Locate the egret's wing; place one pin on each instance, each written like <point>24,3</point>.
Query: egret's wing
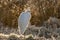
<point>23,21</point>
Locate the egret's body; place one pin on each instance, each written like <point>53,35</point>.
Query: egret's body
<point>23,21</point>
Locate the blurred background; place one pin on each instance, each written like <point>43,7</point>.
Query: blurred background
<point>45,19</point>
<point>41,10</point>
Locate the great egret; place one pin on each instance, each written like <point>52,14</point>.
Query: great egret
<point>24,20</point>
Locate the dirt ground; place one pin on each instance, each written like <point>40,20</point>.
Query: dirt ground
<point>50,30</point>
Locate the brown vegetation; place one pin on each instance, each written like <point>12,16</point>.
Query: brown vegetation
<point>41,10</point>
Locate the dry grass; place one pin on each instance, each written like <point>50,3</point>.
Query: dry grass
<point>40,10</point>
<point>26,37</point>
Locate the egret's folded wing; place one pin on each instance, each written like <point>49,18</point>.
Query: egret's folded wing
<point>23,21</point>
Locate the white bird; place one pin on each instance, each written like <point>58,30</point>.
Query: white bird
<point>24,20</point>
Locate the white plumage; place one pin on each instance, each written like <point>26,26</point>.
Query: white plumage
<point>23,21</point>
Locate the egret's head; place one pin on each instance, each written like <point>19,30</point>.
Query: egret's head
<point>27,9</point>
